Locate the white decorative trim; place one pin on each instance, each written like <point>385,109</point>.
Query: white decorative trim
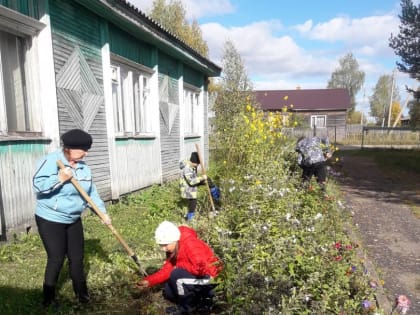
<point>18,23</point>
<point>132,64</point>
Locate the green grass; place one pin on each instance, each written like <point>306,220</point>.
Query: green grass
<point>390,160</point>
<point>111,273</point>
<point>402,165</point>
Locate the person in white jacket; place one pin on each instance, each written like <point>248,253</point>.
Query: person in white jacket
<point>58,211</point>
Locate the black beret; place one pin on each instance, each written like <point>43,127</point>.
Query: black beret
<point>77,139</point>
<point>194,158</point>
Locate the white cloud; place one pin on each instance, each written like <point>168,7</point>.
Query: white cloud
<point>373,30</point>
<point>143,5</point>
<point>305,27</point>
<point>266,54</point>
<point>275,59</point>
<point>199,8</point>
<point>195,9</point>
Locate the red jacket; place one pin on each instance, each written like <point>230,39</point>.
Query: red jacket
<point>193,255</point>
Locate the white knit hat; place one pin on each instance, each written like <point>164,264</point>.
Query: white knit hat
<point>167,233</point>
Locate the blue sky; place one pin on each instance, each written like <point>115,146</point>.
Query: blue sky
<point>285,44</point>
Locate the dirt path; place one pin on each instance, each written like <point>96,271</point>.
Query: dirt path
<point>387,228</point>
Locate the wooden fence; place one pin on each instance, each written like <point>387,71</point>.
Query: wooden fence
<point>362,136</point>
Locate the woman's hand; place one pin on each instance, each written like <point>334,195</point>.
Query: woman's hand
<point>65,174</point>
<point>106,219</point>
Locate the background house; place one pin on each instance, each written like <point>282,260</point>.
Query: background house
<point>105,67</point>
<point>323,110</point>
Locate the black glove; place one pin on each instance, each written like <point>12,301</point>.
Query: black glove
<point>210,182</point>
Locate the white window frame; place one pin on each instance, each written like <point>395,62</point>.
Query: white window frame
<point>131,98</point>
<point>315,119</point>
<point>192,105</point>
<point>27,115</point>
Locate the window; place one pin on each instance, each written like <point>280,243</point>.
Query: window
<point>14,98</point>
<point>141,97</point>
<point>191,105</point>
<point>18,73</point>
<point>318,121</point>
<point>131,99</point>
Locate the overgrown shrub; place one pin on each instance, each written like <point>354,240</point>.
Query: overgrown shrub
<point>284,248</point>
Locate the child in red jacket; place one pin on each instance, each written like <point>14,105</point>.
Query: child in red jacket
<point>187,271</point>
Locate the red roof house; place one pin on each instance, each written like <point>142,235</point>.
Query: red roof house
<point>320,107</point>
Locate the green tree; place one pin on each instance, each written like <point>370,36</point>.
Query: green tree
<point>234,89</point>
<point>357,117</point>
<point>407,43</point>
<point>381,99</point>
<point>407,46</point>
<point>171,17</point>
<point>414,112</point>
<point>348,76</point>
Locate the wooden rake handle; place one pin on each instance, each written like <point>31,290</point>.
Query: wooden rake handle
<point>203,168</point>
<point>101,215</point>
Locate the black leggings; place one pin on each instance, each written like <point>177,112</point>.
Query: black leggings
<point>192,204</point>
<point>319,170</point>
<point>61,240</point>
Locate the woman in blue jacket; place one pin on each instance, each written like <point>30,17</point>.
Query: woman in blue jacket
<point>59,208</point>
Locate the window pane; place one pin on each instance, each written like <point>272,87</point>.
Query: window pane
<point>146,122</point>
<point>137,102</point>
<point>188,111</point>
<point>319,121</point>
<point>12,50</point>
<point>132,112</point>
<point>116,100</point>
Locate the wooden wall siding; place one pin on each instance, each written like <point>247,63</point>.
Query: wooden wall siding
<point>169,116</point>
<point>189,146</point>
<point>26,7</point>
<point>78,90</point>
<point>337,118</point>
<point>17,166</point>
<point>170,151</point>
<point>129,47</point>
<point>206,126</point>
<point>138,164</point>
<point>192,76</point>
<point>78,67</point>
<point>73,20</point>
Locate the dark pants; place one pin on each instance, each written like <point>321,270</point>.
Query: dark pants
<point>61,240</point>
<point>186,289</point>
<point>192,205</point>
<point>319,170</point>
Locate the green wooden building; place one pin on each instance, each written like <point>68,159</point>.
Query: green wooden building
<point>105,67</point>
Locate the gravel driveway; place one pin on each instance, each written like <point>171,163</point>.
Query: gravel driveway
<point>387,228</point>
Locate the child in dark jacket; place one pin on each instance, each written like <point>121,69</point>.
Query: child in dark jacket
<point>187,272</point>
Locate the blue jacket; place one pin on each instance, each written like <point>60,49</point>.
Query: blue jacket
<point>62,202</point>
